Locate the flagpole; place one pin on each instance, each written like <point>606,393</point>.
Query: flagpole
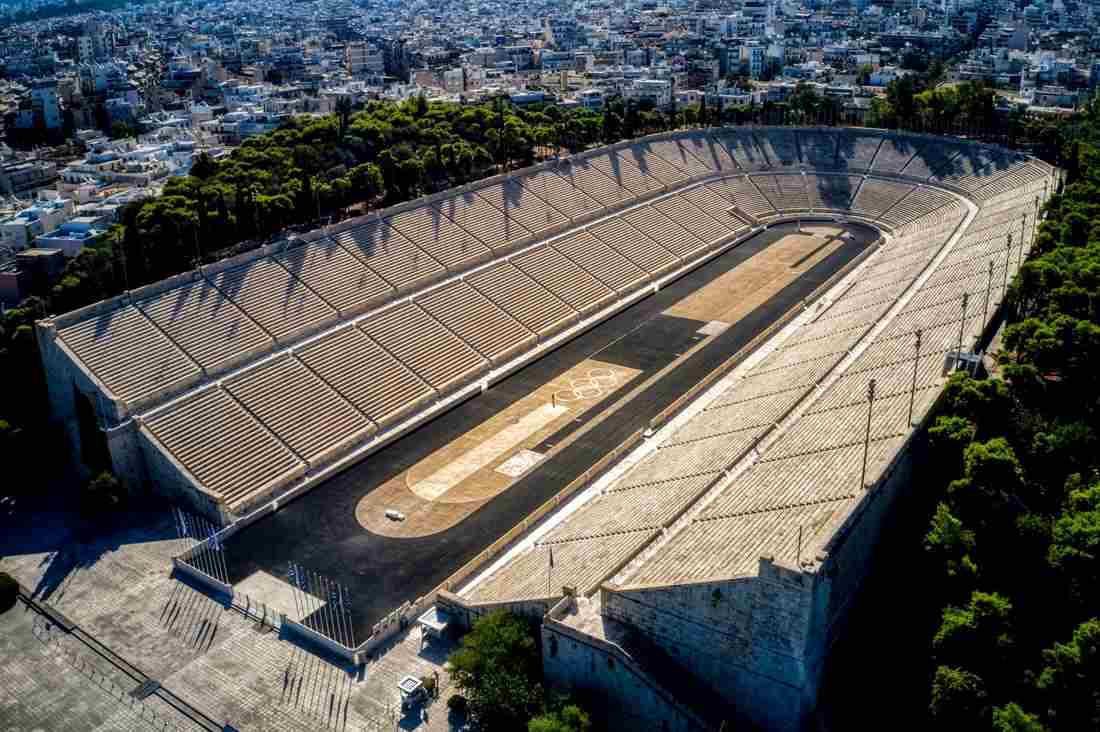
<point>202,561</point>
<point>199,555</point>
<point>338,609</point>
<point>292,575</point>
<point>351,621</point>
<point>330,609</point>
<point>326,609</point>
<point>212,542</point>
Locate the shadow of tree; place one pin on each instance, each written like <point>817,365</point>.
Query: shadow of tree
<point>72,543</point>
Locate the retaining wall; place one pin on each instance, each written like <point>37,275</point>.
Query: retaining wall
<point>744,637</point>
<point>576,661</point>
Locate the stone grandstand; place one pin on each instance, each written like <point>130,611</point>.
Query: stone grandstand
<point>736,536</point>
<point>319,349</point>
<point>728,547</point>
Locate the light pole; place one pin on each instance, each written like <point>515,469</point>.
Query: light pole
<point>1008,254</point>
<point>916,361</point>
<point>988,292</point>
<point>867,435</point>
<point>198,251</point>
<point>962,327</point>
<point>1023,238</point>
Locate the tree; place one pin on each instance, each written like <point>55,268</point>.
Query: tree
<point>989,493</point>
<point>901,96</point>
<point>630,120</point>
<point>1070,680</point>
<point>978,634</point>
<point>1011,718</point>
<point>120,130</point>
<point>914,60</point>
<point>343,113</point>
<point>366,181</point>
<point>570,719</point>
<point>958,699</point>
<point>101,496</point>
<point>9,592</point>
<point>1017,462</point>
<point>168,227</point>
<point>204,166</point>
<point>88,276</point>
<point>770,69</point>
<point>952,544</point>
<point>804,102</point>
<point>497,668</point>
<point>1075,549</point>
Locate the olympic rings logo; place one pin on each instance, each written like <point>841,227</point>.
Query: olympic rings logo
<point>593,386</point>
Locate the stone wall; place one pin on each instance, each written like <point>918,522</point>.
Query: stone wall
<point>127,460</point>
<point>66,382</point>
<point>760,643</point>
<point>60,388</point>
<point>631,699</point>
<point>744,637</point>
<point>167,477</point>
<point>464,614</point>
<point>852,552</point>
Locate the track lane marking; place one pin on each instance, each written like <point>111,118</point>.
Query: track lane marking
<point>462,467</point>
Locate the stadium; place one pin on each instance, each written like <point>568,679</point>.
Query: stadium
<point>660,395</point>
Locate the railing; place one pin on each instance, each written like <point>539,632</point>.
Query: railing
<point>180,705</point>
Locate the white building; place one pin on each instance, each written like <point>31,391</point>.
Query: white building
<point>591,98</point>
<point>454,81</point>
<point>885,75</point>
<point>754,56</point>
<point>73,236</point>
<point>362,59</point>
<point>20,230</point>
<point>22,175</point>
<point>201,112</point>
<point>657,91</point>
<point>689,97</point>
<point>85,48</point>
<point>45,103</point>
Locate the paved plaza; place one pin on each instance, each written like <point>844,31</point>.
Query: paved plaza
<point>117,590</point>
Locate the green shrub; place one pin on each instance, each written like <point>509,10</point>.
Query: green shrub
<point>9,591</point>
<point>570,719</point>
<point>498,669</point>
<point>102,496</point>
